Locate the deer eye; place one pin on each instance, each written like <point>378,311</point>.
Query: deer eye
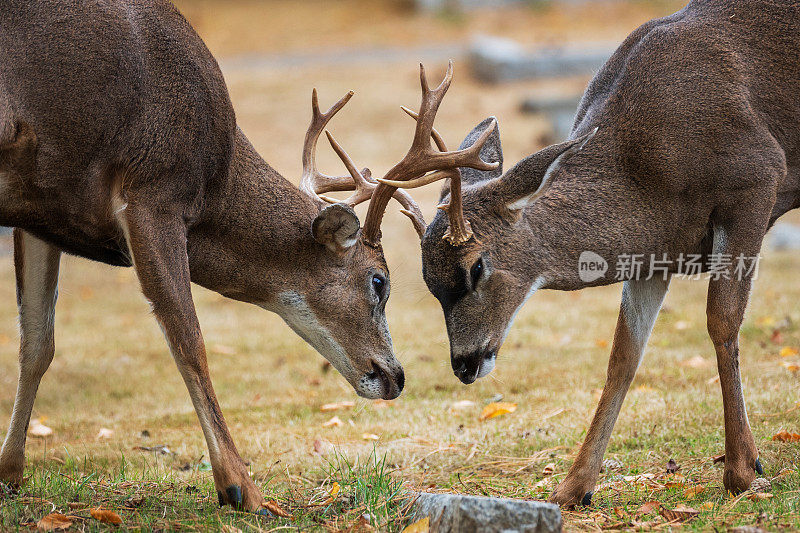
<point>379,285</point>
<point>476,272</point>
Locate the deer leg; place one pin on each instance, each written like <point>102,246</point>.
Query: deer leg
<point>158,248</point>
<point>36,263</point>
<point>727,300</point>
<point>641,301</point>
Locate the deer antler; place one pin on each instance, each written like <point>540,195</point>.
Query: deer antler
<point>314,183</point>
<point>412,170</point>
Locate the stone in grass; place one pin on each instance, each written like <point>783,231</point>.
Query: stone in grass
<point>456,512</point>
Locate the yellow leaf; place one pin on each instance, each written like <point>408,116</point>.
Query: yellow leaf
<point>789,351</point>
<point>785,436</point>
<point>791,367</point>
<point>691,492</point>
<point>370,436</point>
<point>105,516</point>
<point>601,343</point>
<point>335,421</point>
<point>674,480</point>
<point>54,522</point>
<point>706,506</point>
<point>332,493</point>
<point>497,409</point>
<point>420,526</point>
<point>759,496</point>
<point>337,405</point>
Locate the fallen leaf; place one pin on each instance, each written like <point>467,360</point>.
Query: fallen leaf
<point>337,405</point>
<point>380,403</point>
<point>789,351</point>
<point>37,429</point>
<point>785,436</point>
<point>601,343</point>
<point>370,436</point>
<point>333,492</point>
<point>706,506</point>
<point>105,433</point>
<point>497,409</point>
<point>323,447</point>
<point>777,337</point>
<point>718,459</point>
<point>681,513</point>
<point>760,496</point>
<point>549,469</point>
<point>674,480</point>
<point>713,380</point>
<point>691,492</point>
<point>105,516</point>
<point>54,522</point>
<point>163,449</point>
<point>273,507</point>
<point>648,508</point>
<point>420,526</point>
<point>791,367</point>
<point>335,421</point>
<point>672,466</point>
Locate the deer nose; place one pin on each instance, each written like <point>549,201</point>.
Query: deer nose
<point>392,380</point>
<point>466,367</point>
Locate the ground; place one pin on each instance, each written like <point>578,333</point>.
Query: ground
<point>112,370</point>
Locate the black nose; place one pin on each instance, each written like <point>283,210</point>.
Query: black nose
<point>392,384</point>
<point>466,367</point>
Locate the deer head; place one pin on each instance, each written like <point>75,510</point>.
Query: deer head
<point>477,253</point>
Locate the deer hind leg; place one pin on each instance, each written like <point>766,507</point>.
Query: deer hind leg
<point>727,300</point>
<point>36,264</point>
<point>641,302</point>
<point>157,244</point>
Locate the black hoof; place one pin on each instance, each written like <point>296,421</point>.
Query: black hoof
<point>759,468</point>
<point>219,498</point>
<point>587,499</point>
<point>234,493</point>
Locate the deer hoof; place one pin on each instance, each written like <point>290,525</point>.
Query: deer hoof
<point>759,468</point>
<point>586,501</point>
<point>234,494</point>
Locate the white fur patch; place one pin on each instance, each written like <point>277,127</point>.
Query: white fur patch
<point>537,284</point>
<point>641,302</point>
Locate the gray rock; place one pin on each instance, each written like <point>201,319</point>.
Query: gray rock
<point>496,59</point>
<point>784,236</point>
<point>458,513</point>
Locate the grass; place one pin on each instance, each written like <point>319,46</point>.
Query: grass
<point>112,369</point>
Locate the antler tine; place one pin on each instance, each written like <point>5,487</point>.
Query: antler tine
<point>313,181</point>
<point>437,138</point>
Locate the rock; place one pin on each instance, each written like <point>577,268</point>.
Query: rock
<point>456,512</point>
<point>784,236</point>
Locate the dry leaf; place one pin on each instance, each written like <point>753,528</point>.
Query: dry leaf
<point>706,506</point>
<point>718,459</point>
<point>696,362</point>
<point>54,522</point>
<point>332,493</point>
<point>370,436</point>
<point>789,351</point>
<point>785,436</point>
<point>759,496</point>
<point>37,429</point>
<point>674,480</point>
<point>648,508</point>
<point>273,507</point>
<point>777,336</point>
<point>337,405</point>
<point>335,421</point>
<point>791,367</point>
<point>713,380</point>
<point>105,433</point>
<point>420,526</point>
<point>681,513</point>
<point>691,492</point>
<point>105,516</point>
<point>549,469</point>
<point>322,446</point>
<point>601,343</point>
<point>497,409</point>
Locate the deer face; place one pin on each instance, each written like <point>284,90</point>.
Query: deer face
<point>482,283</point>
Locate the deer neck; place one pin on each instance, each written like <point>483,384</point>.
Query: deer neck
<point>254,221</point>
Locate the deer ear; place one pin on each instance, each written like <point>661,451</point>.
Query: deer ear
<point>336,226</point>
<point>491,152</point>
<point>529,179</point>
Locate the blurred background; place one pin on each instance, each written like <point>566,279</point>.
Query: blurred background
<point>525,62</point>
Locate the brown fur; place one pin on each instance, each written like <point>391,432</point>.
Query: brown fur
<point>118,142</point>
<point>698,150</point>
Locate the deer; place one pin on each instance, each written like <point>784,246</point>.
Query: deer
<point>123,148</point>
<point>685,142</point>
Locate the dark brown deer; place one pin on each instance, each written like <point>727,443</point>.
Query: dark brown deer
<point>686,142</point>
<point>118,143</point>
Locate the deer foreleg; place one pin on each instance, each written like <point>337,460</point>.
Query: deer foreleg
<point>158,247</point>
<point>36,263</point>
<point>641,301</point>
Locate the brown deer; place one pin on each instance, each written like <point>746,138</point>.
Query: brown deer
<point>118,143</point>
<point>686,142</point>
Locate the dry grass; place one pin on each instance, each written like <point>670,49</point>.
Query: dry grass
<point>112,369</point>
